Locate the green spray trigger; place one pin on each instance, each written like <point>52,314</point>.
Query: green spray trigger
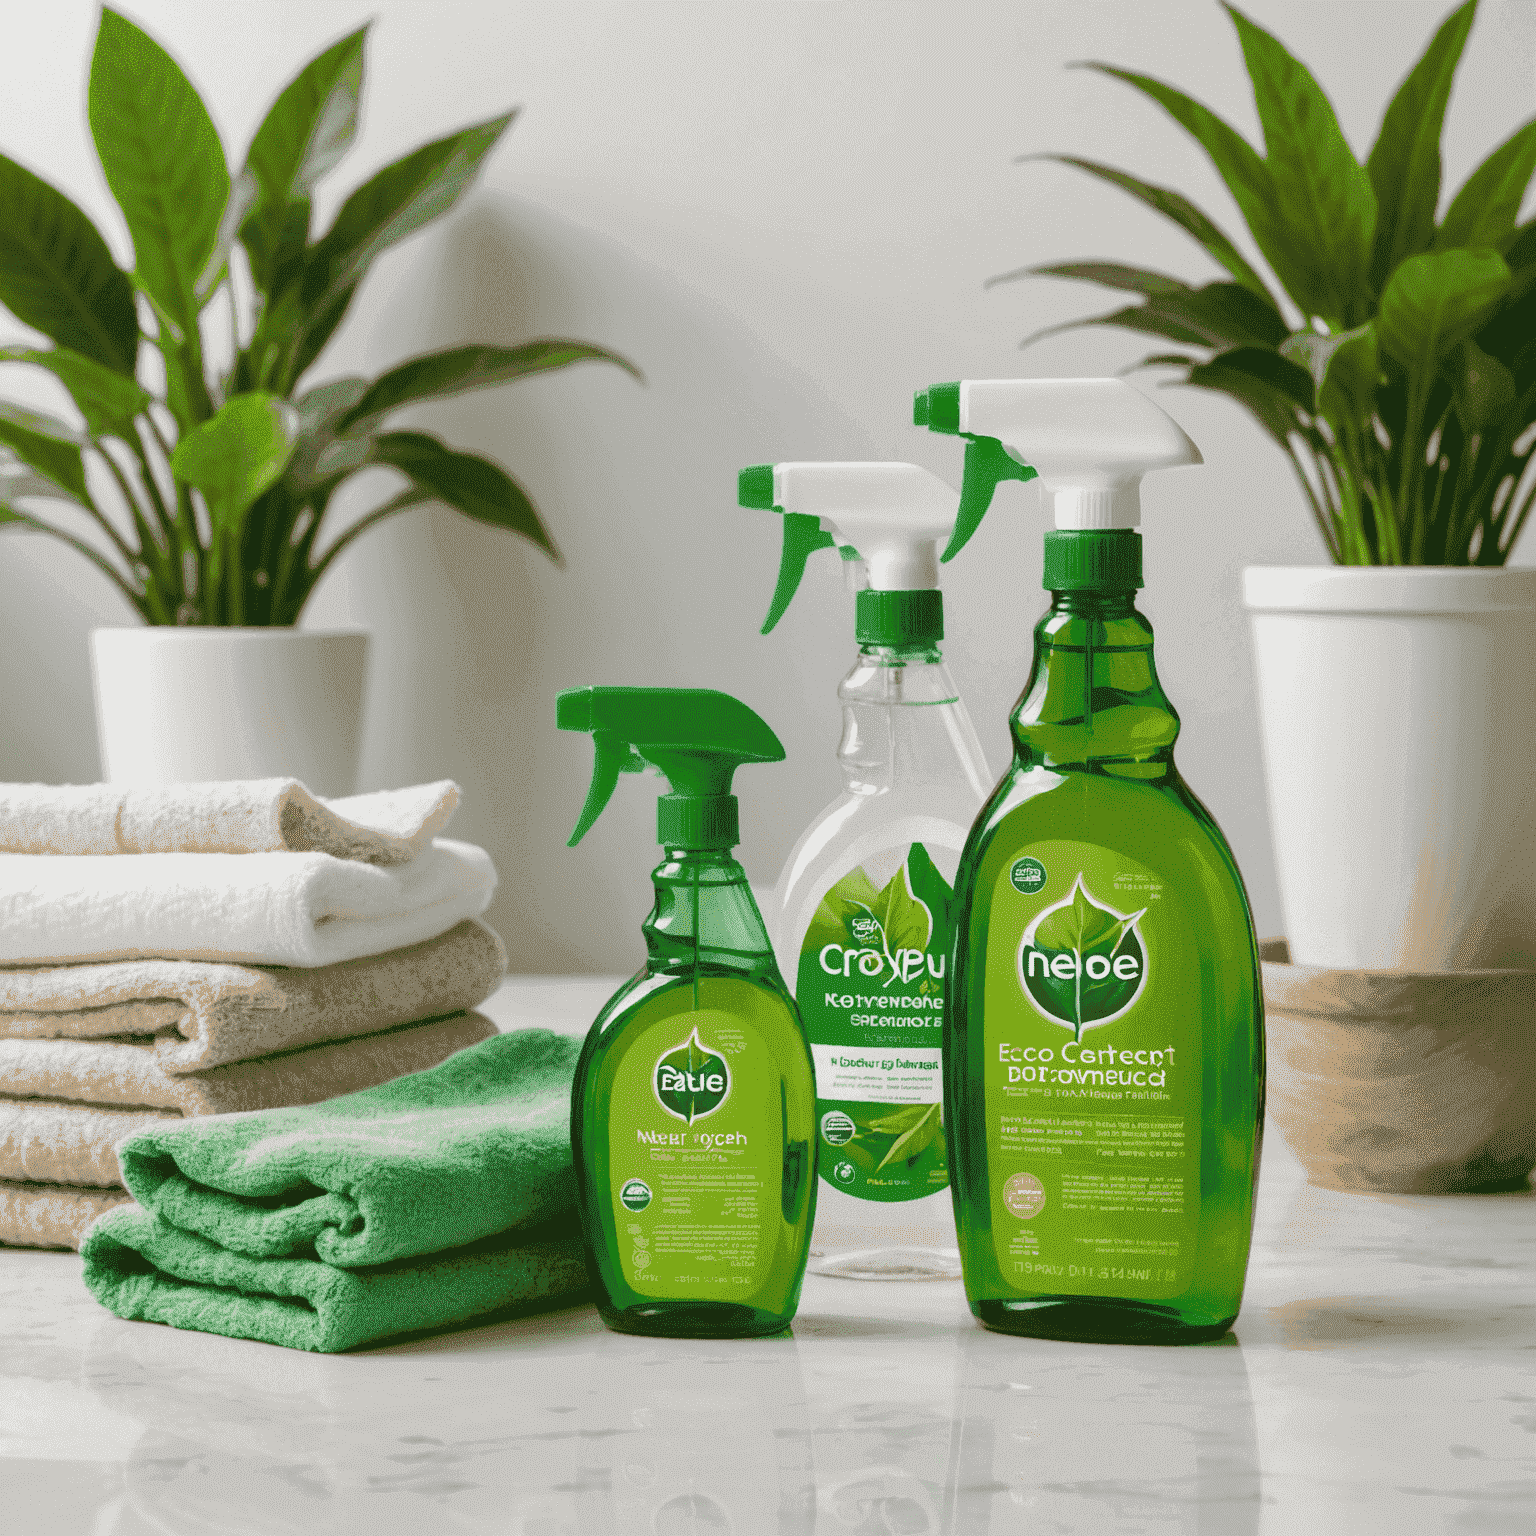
<point>803,536</point>
<point>695,736</point>
<point>987,464</point>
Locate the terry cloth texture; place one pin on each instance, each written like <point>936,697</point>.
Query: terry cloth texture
<point>237,816</point>
<point>195,1014</point>
<point>44,1140</point>
<point>305,909</point>
<point>128,1074</point>
<point>144,1268</point>
<point>476,1146</point>
<point>51,1215</point>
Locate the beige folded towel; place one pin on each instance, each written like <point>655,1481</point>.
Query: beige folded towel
<point>44,1140</point>
<point>196,1014</point>
<point>235,816</point>
<point>51,1215</point>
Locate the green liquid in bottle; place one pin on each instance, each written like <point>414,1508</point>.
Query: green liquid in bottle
<point>1104,1076</point>
<point>694,1121</point>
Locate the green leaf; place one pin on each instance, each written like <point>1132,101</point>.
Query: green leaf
<point>932,889</point>
<point>914,1141</point>
<point>692,1081</point>
<point>48,446</point>
<point>1084,930</point>
<point>394,203</point>
<point>1434,302</point>
<point>1107,274</point>
<point>163,161</point>
<point>1178,208</point>
<point>904,920</point>
<point>1483,213</point>
<point>1345,371</point>
<point>237,453</point>
<point>1239,164</point>
<point>1323,198</point>
<point>898,1122</point>
<point>1404,163</point>
<point>310,127</point>
<point>108,400</point>
<point>1270,387</point>
<point>469,484</point>
<point>57,275</point>
<point>1218,315</point>
<point>452,372</point>
<point>1484,389</point>
<point>852,896</point>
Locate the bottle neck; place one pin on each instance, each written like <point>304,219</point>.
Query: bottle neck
<point>904,725</point>
<point>705,918</point>
<point>1093,700</point>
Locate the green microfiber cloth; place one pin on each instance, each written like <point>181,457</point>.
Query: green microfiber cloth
<point>296,1225</point>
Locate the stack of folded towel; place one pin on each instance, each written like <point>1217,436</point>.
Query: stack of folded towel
<point>203,948</point>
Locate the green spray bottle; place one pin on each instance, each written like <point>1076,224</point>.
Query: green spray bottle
<point>860,916</point>
<point>693,1109</point>
<point>1104,1066</point>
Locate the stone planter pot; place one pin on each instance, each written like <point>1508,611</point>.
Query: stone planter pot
<point>180,705</point>
<point>1409,1082</point>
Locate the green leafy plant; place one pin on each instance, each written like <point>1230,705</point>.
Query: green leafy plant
<point>222,478</point>
<point>1397,365</point>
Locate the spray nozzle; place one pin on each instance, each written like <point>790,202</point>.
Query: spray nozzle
<point>1091,440</point>
<point>891,517</point>
<point>697,738</point>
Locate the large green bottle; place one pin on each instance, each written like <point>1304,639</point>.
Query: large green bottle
<point>1104,1028</point>
<point>694,1106</point>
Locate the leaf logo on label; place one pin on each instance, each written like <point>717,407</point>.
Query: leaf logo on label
<point>892,929</point>
<point>1082,963</point>
<point>692,1081</point>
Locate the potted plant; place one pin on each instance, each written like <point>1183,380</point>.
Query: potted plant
<point>1391,353</point>
<point>202,490</point>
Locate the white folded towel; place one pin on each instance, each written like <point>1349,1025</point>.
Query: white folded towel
<point>302,909</point>
<point>232,816</point>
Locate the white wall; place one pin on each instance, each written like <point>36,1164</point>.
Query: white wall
<point>784,213</point>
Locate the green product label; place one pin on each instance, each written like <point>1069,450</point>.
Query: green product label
<point>871,992</point>
<point>696,1150</point>
<point>1092,1065</point>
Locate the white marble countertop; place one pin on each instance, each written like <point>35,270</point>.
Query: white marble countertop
<point>1381,1379</point>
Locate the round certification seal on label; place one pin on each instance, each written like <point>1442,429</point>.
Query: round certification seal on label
<point>1028,876</point>
<point>837,1129</point>
<point>635,1195</point>
<point>1024,1195</point>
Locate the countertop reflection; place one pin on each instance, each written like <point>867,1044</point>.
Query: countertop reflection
<point>1381,1378</point>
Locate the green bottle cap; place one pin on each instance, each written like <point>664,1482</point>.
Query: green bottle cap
<point>899,618</point>
<point>1092,560</point>
<point>697,737</point>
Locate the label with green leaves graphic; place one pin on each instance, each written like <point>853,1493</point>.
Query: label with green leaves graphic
<point>871,993</point>
<point>1092,1075</point>
<point>696,1153</point>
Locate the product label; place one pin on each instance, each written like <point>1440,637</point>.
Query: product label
<point>871,992</point>
<point>1092,1063</point>
<point>696,1153</point>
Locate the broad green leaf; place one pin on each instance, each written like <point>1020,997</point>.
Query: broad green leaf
<point>48,446</point>
<point>899,1121</point>
<point>1178,208</point>
<point>914,1141</point>
<point>1076,931</point>
<point>108,400</point>
<point>394,203</point>
<point>1345,371</point>
<point>1520,249</point>
<point>1240,166</point>
<point>904,920</point>
<point>1270,387</point>
<point>319,412</point>
<point>1483,213</point>
<point>932,889</point>
<point>310,127</point>
<point>1485,389</point>
<point>57,275</point>
<point>692,1080</point>
<point>469,484</point>
<point>162,159</point>
<point>853,895</point>
<point>237,453</point>
<point>1107,274</point>
<point>458,369</point>
<point>1323,198</point>
<point>1220,315</point>
<point>1434,302</point>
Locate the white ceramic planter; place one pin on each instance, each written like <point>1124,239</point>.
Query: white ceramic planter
<point>1398,707</point>
<point>176,705</point>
